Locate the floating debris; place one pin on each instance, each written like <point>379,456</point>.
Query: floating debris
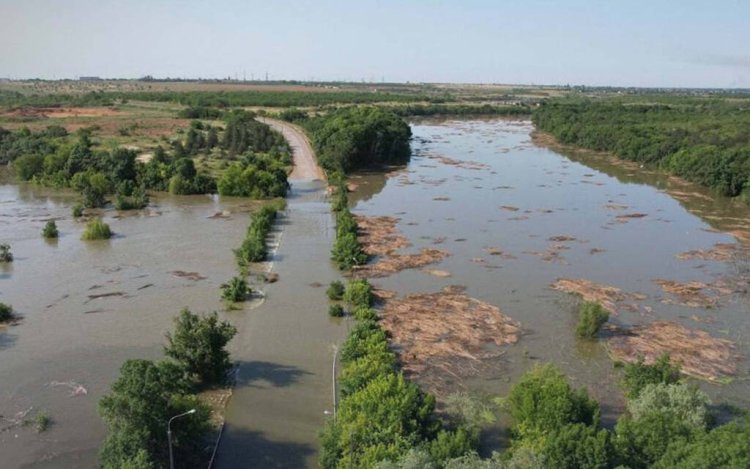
<point>445,335</point>
<point>699,354</point>
<point>693,294</point>
<point>719,252</point>
<point>607,296</point>
<point>437,273</point>
<point>629,216</point>
<point>194,276</point>
<point>392,263</point>
<point>379,235</point>
<point>76,389</point>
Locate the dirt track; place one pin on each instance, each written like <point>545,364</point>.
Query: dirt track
<point>305,165</point>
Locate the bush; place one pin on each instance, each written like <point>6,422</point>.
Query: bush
<point>358,293</point>
<point>687,403</point>
<point>639,374</point>
<point>50,230</point>
<point>643,442</point>
<point>6,312</point>
<point>236,290</point>
<point>335,290</point>
<point>543,401</point>
<point>578,446</point>
<point>77,210</point>
<point>336,311</point>
<point>5,254</point>
<point>198,344</point>
<point>591,316</point>
<point>41,421</point>
<point>96,229</point>
<point>364,313</point>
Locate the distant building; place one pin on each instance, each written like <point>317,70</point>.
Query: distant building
<point>90,79</point>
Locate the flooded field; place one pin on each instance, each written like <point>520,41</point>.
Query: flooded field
<point>88,306</point>
<point>509,225</point>
<point>512,219</point>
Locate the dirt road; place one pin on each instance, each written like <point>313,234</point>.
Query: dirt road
<point>305,165</point>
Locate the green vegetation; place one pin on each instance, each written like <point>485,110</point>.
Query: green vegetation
<point>335,290</point>
<point>50,230</point>
<point>253,248</point>
<point>336,311</point>
<point>346,251</point>
<point>41,421</point>
<point>638,375</point>
<point>236,290</point>
<point>96,229</point>
<point>77,210</point>
<point>358,294</point>
<point>356,137</point>
<point>591,316</point>
<point>136,410</point>
<point>197,345</point>
<point>6,313</point>
<point>5,254</point>
<point>703,140</point>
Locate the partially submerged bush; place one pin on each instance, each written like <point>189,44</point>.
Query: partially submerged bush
<point>41,421</point>
<point>77,210</point>
<point>5,254</point>
<point>684,401</point>
<point>638,375</point>
<point>358,293</point>
<point>50,230</point>
<point>6,312</point>
<point>336,311</point>
<point>236,290</point>
<point>591,316</point>
<point>96,229</point>
<point>335,290</point>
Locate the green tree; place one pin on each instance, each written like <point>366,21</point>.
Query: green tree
<point>198,344</point>
<point>578,446</point>
<point>591,316</point>
<point>686,402</point>
<point>136,410</point>
<point>639,374</point>
<point>50,230</point>
<point>358,293</point>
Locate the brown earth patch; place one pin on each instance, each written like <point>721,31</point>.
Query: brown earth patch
<point>61,112</point>
<point>444,336</point>
<point>699,354</point>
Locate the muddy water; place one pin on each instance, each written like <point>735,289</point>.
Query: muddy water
<point>285,349</point>
<point>507,193</point>
<point>68,336</point>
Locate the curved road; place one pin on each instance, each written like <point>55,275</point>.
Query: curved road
<point>305,164</point>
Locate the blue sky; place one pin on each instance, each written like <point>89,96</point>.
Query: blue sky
<point>606,42</point>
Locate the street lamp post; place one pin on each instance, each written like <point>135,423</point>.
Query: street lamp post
<point>169,435</point>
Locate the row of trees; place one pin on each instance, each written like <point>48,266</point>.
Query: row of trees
<point>147,394</point>
<point>381,415</point>
<point>704,141</point>
<point>347,250</point>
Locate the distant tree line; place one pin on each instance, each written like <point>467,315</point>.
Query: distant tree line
<point>706,141</point>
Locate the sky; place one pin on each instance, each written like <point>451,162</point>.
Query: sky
<point>652,43</point>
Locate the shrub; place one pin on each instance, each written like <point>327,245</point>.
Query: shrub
<point>96,229</point>
<point>578,446</point>
<point>336,311</point>
<point>686,402</point>
<point>41,421</point>
<point>198,344</point>
<point>591,316</point>
<point>6,312</point>
<point>50,230</point>
<point>77,210</point>
<point>335,290</point>
<point>5,254</point>
<point>639,374</point>
<point>347,252</point>
<point>543,401</point>
<point>358,293</point>
<point>643,442</point>
<point>236,290</point>
<point>364,313</point>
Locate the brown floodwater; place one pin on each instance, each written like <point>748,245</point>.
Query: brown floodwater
<point>479,184</point>
<point>70,337</point>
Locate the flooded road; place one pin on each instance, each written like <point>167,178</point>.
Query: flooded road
<point>515,217</point>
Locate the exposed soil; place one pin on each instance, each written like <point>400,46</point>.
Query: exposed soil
<point>443,337</point>
<point>61,112</point>
<point>699,354</point>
